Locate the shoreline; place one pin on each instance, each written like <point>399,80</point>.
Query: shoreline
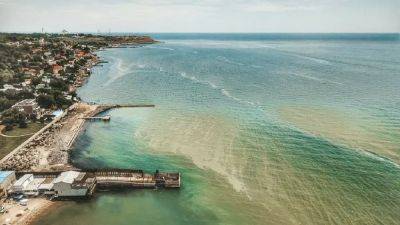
<point>49,150</point>
<point>25,215</point>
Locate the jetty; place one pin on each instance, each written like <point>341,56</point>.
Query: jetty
<point>105,107</point>
<point>125,178</point>
<point>102,118</point>
<point>83,183</point>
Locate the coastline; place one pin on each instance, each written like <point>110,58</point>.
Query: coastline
<point>25,215</point>
<point>49,150</point>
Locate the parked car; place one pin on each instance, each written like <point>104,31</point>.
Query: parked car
<point>23,202</point>
<point>18,197</point>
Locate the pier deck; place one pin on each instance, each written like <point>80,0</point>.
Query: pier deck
<point>122,178</point>
<point>103,118</point>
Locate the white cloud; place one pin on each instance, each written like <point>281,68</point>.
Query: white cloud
<point>200,15</point>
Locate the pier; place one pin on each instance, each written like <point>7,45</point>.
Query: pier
<point>122,178</point>
<point>83,183</point>
<point>102,118</point>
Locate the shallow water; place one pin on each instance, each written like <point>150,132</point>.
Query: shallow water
<point>265,130</point>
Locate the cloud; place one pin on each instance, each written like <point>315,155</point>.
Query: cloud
<point>279,7</point>
<point>200,15</point>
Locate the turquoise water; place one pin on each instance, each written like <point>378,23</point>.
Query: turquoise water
<point>265,129</point>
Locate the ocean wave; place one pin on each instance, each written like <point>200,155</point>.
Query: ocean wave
<point>229,61</point>
<point>224,59</point>
<point>222,90</point>
<point>316,79</point>
<point>162,48</point>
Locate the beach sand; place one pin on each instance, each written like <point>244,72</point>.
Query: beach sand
<point>23,215</point>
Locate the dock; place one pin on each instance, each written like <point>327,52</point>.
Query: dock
<point>122,178</point>
<point>86,182</point>
<point>93,118</point>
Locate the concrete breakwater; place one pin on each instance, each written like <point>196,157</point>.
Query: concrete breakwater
<point>49,148</point>
<point>23,149</point>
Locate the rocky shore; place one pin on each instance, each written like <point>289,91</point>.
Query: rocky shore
<point>48,149</point>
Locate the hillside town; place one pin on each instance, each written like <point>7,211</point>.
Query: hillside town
<point>39,73</point>
<point>39,76</point>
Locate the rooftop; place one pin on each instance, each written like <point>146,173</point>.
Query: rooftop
<point>22,180</point>
<point>5,174</point>
<point>67,177</point>
<point>25,102</point>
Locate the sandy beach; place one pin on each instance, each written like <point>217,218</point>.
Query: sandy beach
<point>23,215</point>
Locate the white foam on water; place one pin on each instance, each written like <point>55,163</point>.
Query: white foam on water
<point>224,59</point>
<point>316,79</point>
<point>162,48</point>
<point>223,91</point>
<point>119,70</point>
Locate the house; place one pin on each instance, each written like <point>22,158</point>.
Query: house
<point>57,68</point>
<point>9,87</point>
<point>40,86</point>
<point>28,82</point>
<point>28,106</point>
<point>80,54</point>
<point>73,184</point>
<point>46,79</point>
<point>42,42</point>
<point>6,180</point>
<point>21,183</point>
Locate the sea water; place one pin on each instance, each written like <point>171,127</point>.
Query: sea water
<point>265,129</point>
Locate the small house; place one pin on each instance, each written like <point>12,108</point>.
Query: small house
<point>21,183</point>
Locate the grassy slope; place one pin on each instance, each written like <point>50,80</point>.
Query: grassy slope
<point>9,144</point>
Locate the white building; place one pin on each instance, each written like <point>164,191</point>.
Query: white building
<point>21,183</point>
<point>72,184</point>
<point>33,187</point>
<point>6,180</point>
<point>29,106</point>
<point>9,87</point>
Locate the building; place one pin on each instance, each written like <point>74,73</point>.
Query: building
<point>57,68</point>
<point>73,184</point>
<point>46,187</point>
<point>29,106</point>
<point>21,183</point>
<point>32,188</point>
<point>40,86</point>
<point>9,87</point>
<point>6,180</point>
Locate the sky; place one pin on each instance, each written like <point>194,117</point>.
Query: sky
<point>148,16</point>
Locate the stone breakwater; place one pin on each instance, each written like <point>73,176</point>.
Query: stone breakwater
<point>48,149</point>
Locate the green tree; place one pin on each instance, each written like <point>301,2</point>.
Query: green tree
<point>45,101</point>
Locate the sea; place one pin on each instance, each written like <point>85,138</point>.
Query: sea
<point>265,129</point>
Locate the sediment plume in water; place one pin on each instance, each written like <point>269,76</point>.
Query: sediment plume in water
<point>354,131</point>
<point>207,140</point>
